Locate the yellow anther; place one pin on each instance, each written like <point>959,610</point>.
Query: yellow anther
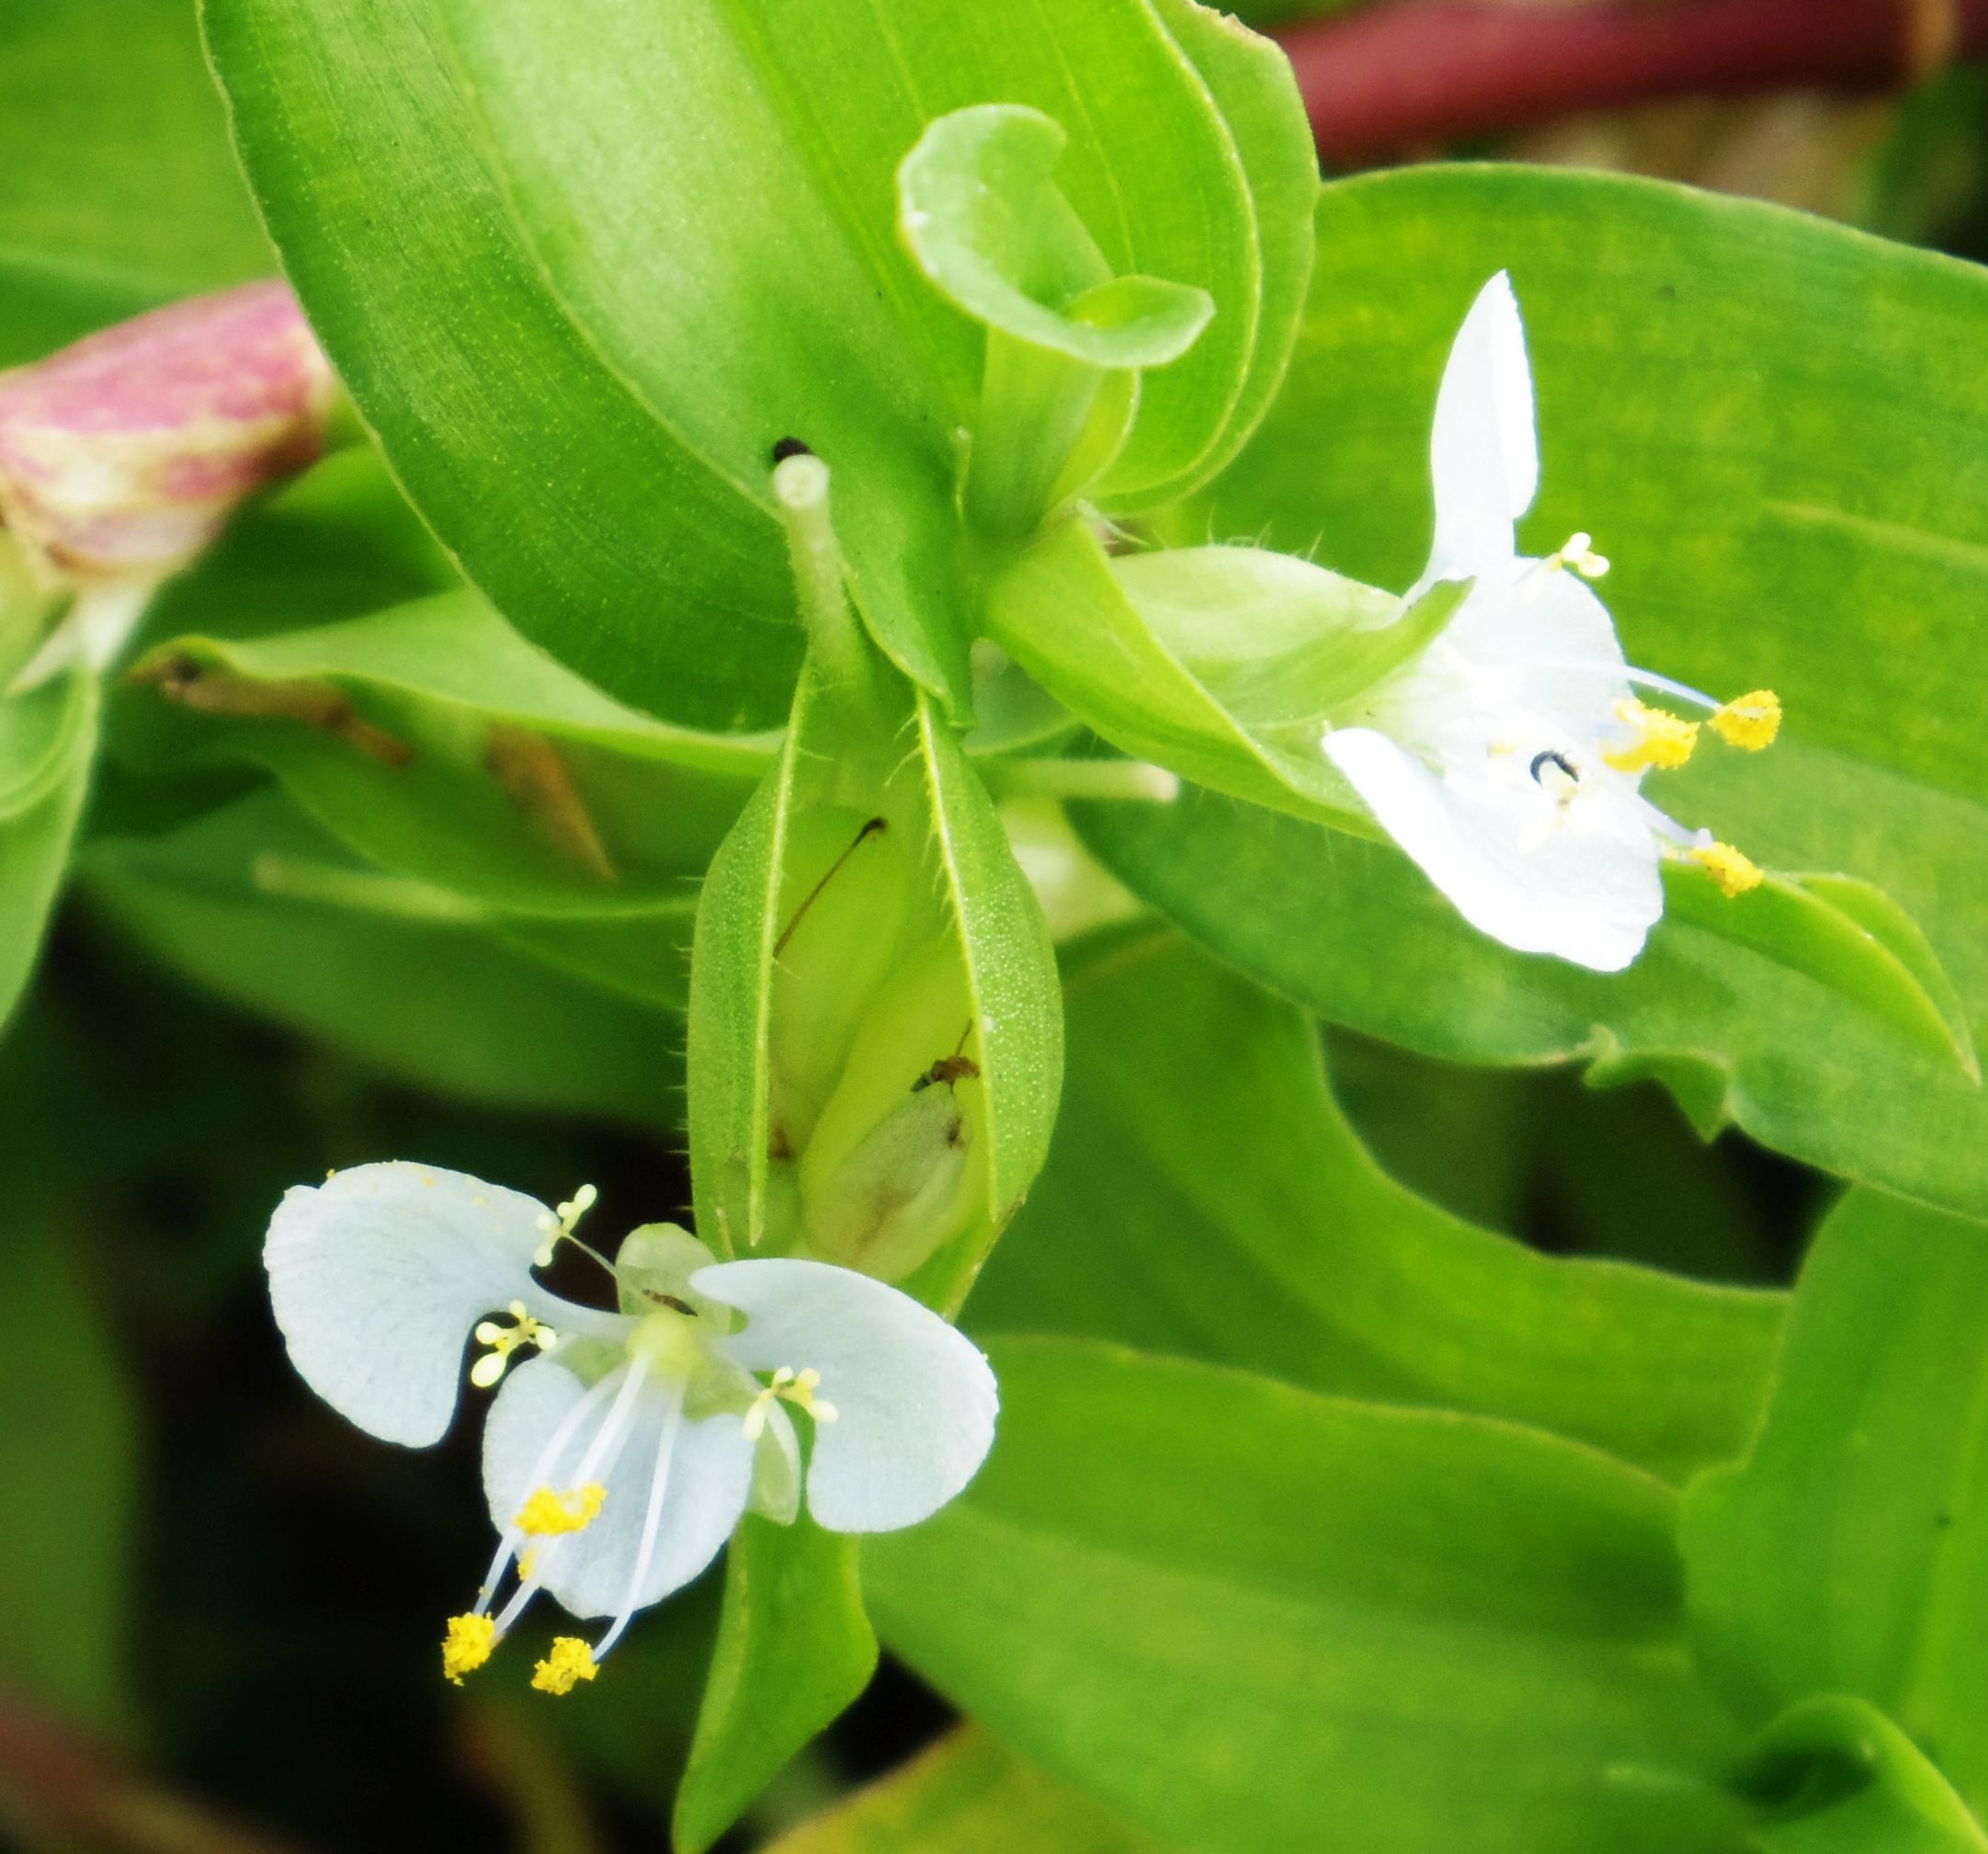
<point>1579,554</point>
<point>505,1340</point>
<point>571,1661</point>
<point>793,1387</point>
<point>1662,739</point>
<point>564,1222</point>
<point>1751,721</point>
<point>1733,871</point>
<point>466,1646</point>
<point>527,1564</point>
<point>548,1515</point>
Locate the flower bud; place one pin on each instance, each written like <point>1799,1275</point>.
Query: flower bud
<point>847,889</point>
<point>884,1182</point>
<point>123,456</point>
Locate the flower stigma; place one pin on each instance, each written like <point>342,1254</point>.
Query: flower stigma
<point>790,1387</point>
<point>570,1662</point>
<point>503,1341</point>
<point>466,1646</point>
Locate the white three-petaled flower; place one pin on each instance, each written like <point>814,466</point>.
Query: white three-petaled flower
<point>1507,758</point>
<point>618,1460</point>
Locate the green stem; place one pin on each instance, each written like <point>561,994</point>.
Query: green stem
<point>801,488</point>
<point>296,879</point>
<point>1083,778</point>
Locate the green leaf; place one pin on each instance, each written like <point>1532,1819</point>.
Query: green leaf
<point>391,972</point>
<point>1352,930</point>
<point>69,1459</point>
<point>597,316</point>
<point>48,741</point>
<point>866,905</point>
<point>434,740</point>
<point>1062,611</point>
<point>1254,1619</point>
<point>985,220</point>
<point>1206,1197</point>
<point>121,191</point>
<point>967,1795</point>
<point>794,1648</point>
<point>1280,643</point>
<point>1838,551</point>
<point>1849,1552</point>
<point>1844,1779</point>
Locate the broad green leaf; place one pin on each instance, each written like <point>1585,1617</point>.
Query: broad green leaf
<point>121,191</point>
<point>598,314</point>
<point>1353,931</point>
<point>794,1648</point>
<point>864,939</point>
<point>1849,1552</point>
<point>968,1794</point>
<point>394,974</point>
<point>433,740</point>
<point>1252,1618</point>
<point>68,1457</point>
<point>1206,1197</point>
<point>1757,417</point>
<point>1841,1779</point>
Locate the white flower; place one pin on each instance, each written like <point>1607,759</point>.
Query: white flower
<point>618,1460</point>
<point>1507,756</point>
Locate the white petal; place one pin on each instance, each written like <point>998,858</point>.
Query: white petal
<point>1589,895</point>
<point>1484,452</point>
<point>1551,644</point>
<point>377,1276</point>
<point>915,1399</point>
<point>589,1573</point>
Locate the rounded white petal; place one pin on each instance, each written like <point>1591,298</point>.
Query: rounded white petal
<point>1587,890</point>
<point>914,1401</point>
<point>1548,644</point>
<point>1483,451</point>
<point>589,1573</point>
<point>377,1276</point>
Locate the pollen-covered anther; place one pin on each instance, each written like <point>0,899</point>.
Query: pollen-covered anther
<point>1733,870</point>
<point>1749,721</point>
<point>466,1646</point>
<point>504,1340</point>
<point>1662,739</point>
<point>549,1514</point>
<point>570,1662</point>
<point>790,1386</point>
<point>1579,554</point>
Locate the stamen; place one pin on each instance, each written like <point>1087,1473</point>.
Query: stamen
<point>1579,554</point>
<point>1735,871</point>
<point>571,1661</point>
<point>603,1454</point>
<point>1662,739</point>
<point>466,1646</point>
<point>548,1515</point>
<point>793,1387</point>
<point>558,1227</point>
<point>1750,722</point>
<point>652,1525</point>
<point>503,1342</point>
<point>541,1471</point>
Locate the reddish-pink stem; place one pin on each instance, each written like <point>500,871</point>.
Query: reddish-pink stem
<point>1403,77</point>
